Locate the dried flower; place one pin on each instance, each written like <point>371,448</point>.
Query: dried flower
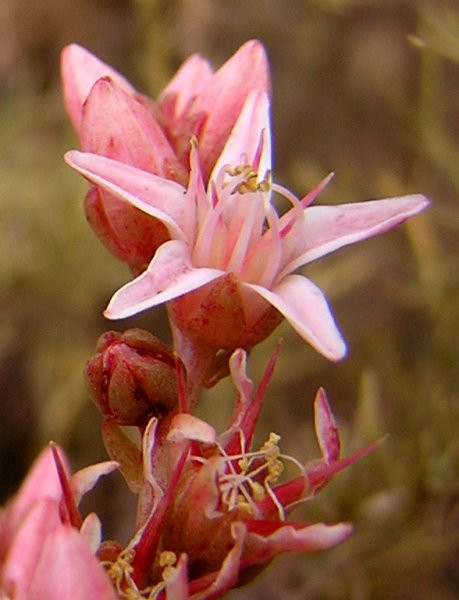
<point>212,510</point>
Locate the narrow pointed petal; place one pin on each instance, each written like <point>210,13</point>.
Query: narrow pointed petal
<point>68,569</point>
<point>187,84</point>
<point>326,429</point>
<point>155,196</point>
<point>223,97</point>
<point>287,539</point>
<point>168,276</point>
<point>80,70</point>
<point>84,480</point>
<point>327,228</point>
<point>251,128</point>
<point>304,306</point>
<point>117,125</point>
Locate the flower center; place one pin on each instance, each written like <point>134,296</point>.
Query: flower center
<point>245,179</point>
<point>249,476</point>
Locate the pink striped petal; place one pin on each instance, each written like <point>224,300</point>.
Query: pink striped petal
<point>327,228</point>
<point>304,306</point>
<point>169,275</point>
<point>116,125</point>
<point>223,97</point>
<point>160,198</point>
<point>80,70</point>
<point>186,84</point>
<point>252,128</point>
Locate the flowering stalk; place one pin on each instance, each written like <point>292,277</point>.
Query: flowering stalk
<point>211,508</point>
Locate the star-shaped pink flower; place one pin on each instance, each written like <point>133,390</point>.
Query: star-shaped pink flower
<point>228,272</point>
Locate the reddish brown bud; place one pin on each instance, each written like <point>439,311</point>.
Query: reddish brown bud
<point>132,377</point>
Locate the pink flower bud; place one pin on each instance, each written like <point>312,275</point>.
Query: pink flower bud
<point>132,377</point>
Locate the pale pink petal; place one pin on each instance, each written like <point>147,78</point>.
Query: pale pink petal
<point>263,259</point>
<point>80,70</point>
<point>41,482</point>
<point>27,546</point>
<point>117,125</point>
<point>304,306</point>
<point>238,368</point>
<point>68,569</point>
<point>160,198</point>
<point>168,276</point>
<point>188,427</point>
<point>84,480</point>
<point>327,228</point>
<point>187,84</point>
<point>91,530</point>
<point>224,95</point>
<point>252,128</point>
<point>325,427</point>
<point>312,538</point>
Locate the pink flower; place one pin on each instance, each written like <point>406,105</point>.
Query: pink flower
<point>46,549</point>
<point>212,510</point>
<point>228,271</point>
<point>115,121</point>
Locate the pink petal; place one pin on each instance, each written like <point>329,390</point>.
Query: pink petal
<point>80,70</point>
<point>187,427</point>
<point>68,569</point>
<point>84,480</point>
<point>304,306</point>
<point>41,482</point>
<point>91,530</point>
<point>168,276</point>
<point>327,228</point>
<point>326,429</point>
<point>224,95</point>
<point>160,198</point>
<point>252,127</point>
<point>117,125</point>
<point>261,549</point>
<point>187,84</point>
<point>27,546</point>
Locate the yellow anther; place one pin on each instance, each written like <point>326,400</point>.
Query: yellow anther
<point>167,559</point>
<point>258,491</point>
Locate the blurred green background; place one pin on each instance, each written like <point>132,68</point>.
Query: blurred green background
<point>369,89</point>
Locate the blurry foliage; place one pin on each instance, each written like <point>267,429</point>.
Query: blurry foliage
<point>369,89</point>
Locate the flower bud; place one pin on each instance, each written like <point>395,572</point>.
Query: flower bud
<point>132,377</point>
